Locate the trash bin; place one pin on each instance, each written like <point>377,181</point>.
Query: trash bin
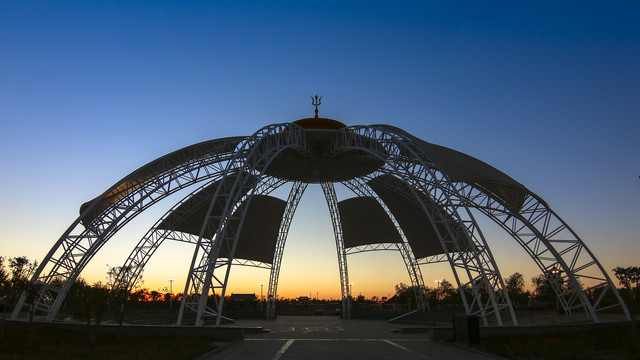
<point>466,329</point>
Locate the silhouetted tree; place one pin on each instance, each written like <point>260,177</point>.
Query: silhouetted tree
<point>75,300</point>
<point>4,282</point>
<point>444,293</point>
<point>627,277</point>
<point>543,291</point>
<point>405,294</point>
<point>119,291</point>
<point>21,269</point>
<point>95,298</point>
<point>514,284</point>
<point>4,293</point>
<point>448,291</point>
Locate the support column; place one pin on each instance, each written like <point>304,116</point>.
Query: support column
<point>295,195</point>
<point>360,188</point>
<point>332,202</point>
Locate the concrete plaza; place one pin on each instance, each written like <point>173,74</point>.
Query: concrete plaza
<point>328,337</point>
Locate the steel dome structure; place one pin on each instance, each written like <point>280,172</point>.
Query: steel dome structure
<point>410,195</point>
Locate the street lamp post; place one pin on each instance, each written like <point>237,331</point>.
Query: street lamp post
<point>438,282</point>
<point>349,303</point>
<point>171,291</point>
<point>261,285</point>
<point>555,276</point>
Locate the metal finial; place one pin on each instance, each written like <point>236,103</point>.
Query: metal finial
<point>316,101</point>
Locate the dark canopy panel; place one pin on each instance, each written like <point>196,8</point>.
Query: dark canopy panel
<point>460,167</point>
<point>412,218</point>
<point>189,216</point>
<point>154,168</point>
<point>365,222</point>
<point>259,231</point>
<point>261,228</point>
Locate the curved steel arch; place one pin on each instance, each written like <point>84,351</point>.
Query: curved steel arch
<point>345,289</point>
<point>121,203</point>
<point>547,239</point>
<point>544,236</point>
<point>297,189</point>
<point>261,150</point>
<point>476,259</point>
<point>204,246</point>
<point>155,236</point>
<point>551,243</point>
<point>151,241</point>
<point>360,188</point>
<point>80,242</point>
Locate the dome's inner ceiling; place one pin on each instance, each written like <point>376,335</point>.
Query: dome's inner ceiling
<point>320,162</point>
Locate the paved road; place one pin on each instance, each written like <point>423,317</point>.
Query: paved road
<point>327,327</point>
<point>334,339</point>
<point>334,349</point>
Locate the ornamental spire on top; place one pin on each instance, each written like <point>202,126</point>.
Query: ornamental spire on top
<point>316,101</point>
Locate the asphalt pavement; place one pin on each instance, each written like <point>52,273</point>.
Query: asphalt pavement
<point>327,337</point>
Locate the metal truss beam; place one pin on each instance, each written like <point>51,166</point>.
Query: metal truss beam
<point>372,247</point>
<point>433,259</point>
<point>213,273</point>
<point>204,272</point>
<point>297,189</point>
<point>553,245</point>
<point>152,240</point>
<point>425,181</point>
<point>360,188</point>
<point>550,242</point>
<point>95,226</point>
<point>332,202</point>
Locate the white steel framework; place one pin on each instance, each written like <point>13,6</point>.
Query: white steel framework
<point>297,189</point>
<point>358,187</point>
<point>345,288</point>
<point>472,257</point>
<point>235,170</point>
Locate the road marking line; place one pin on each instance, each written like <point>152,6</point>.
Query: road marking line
<point>283,349</point>
<point>311,339</point>
<point>406,349</point>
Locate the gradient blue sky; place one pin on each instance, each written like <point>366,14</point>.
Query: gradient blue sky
<point>89,91</point>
